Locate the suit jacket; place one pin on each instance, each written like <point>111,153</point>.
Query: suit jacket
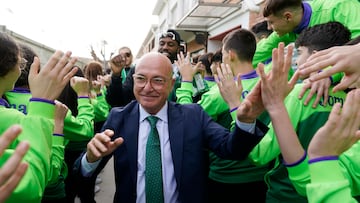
<point>191,132</point>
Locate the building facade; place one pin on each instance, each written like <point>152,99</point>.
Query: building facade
<point>202,24</point>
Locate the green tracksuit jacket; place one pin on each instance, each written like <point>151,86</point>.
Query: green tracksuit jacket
<point>38,127</point>
<point>306,121</point>
<point>322,11</point>
<point>221,170</point>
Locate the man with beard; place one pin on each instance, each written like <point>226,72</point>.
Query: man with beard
<point>120,94</point>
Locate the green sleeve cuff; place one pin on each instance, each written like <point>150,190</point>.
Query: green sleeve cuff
<point>44,109</point>
<point>58,140</point>
<point>233,115</point>
<point>187,86</point>
<point>325,171</point>
<point>299,171</point>
<point>83,100</point>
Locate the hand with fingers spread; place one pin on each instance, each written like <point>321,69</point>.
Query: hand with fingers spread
<point>230,89</point>
<point>342,59</point>
<point>275,85</point>
<point>186,69</point>
<point>274,89</point>
<point>12,171</point>
<point>101,145</point>
<point>320,88</point>
<point>50,80</point>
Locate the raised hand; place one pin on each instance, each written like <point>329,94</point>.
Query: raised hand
<point>117,64</point>
<point>50,80</point>
<point>186,69</point>
<point>12,171</point>
<point>275,85</point>
<point>101,145</point>
<point>230,89</point>
<point>60,114</point>
<point>80,85</point>
<point>342,59</point>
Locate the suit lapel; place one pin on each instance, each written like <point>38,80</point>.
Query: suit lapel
<point>176,136</point>
<point>131,131</point>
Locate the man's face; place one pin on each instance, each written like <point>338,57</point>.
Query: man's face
<point>279,24</point>
<point>168,47</point>
<point>153,82</point>
<point>126,54</point>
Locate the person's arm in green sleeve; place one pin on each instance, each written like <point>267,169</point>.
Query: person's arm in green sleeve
<point>338,137</point>
<point>37,127</point>
<point>57,157</point>
<point>81,127</point>
<point>58,148</point>
<point>328,183</point>
<point>101,107</point>
<point>265,46</point>
<point>184,93</point>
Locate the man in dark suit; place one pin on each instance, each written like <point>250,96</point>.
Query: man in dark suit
<point>185,133</point>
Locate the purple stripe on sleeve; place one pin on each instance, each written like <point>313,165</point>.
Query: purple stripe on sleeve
<point>42,100</point>
<point>323,158</point>
<point>297,162</point>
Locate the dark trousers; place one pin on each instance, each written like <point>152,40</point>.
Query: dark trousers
<point>253,192</point>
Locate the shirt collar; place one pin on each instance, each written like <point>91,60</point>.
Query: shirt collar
<point>249,75</point>
<point>305,19</point>
<point>162,114</point>
<point>209,78</point>
<point>20,90</point>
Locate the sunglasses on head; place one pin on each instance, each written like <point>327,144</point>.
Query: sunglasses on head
<point>168,34</point>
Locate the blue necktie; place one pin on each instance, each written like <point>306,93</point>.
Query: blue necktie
<point>153,171</point>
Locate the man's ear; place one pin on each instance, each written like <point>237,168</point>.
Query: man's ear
<point>288,16</point>
<point>232,55</point>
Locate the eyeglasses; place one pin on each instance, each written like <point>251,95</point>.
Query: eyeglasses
<point>155,82</point>
<point>167,34</point>
<point>23,63</point>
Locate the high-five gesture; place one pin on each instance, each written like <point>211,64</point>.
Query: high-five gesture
<point>50,80</point>
<point>275,85</point>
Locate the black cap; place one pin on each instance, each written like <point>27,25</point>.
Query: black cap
<point>176,35</point>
